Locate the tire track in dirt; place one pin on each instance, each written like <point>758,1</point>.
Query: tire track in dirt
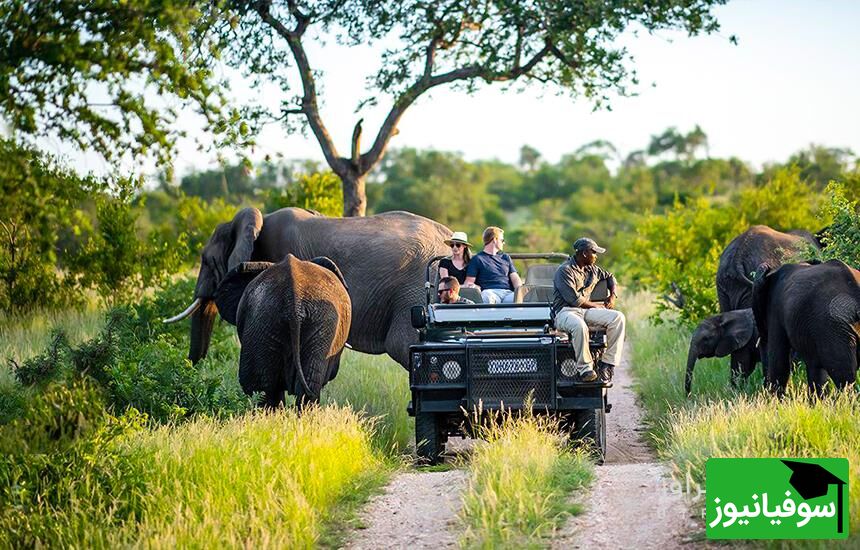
<point>631,504</point>
<point>416,510</point>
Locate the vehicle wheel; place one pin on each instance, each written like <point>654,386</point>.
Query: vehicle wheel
<point>589,426</point>
<point>429,439</point>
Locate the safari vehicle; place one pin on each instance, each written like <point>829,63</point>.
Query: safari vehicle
<point>489,357</point>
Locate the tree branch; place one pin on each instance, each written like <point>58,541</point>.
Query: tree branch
<point>310,107</point>
<point>356,145</point>
<point>408,97</point>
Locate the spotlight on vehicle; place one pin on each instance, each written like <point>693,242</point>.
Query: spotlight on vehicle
<point>451,370</point>
<point>568,367</point>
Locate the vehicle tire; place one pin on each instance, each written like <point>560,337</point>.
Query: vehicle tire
<point>589,426</point>
<point>429,439</point>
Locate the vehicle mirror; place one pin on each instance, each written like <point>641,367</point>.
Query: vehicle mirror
<point>419,317</point>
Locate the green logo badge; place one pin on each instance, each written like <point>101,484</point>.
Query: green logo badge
<point>772,498</point>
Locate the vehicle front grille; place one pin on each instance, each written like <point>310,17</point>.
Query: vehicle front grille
<point>507,376</point>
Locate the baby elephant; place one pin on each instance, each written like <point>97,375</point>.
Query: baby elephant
<point>293,320</point>
<point>730,332</point>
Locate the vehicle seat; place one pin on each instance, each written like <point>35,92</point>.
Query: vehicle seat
<point>541,274</point>
<point>534,293</point>
<point>471,293</point>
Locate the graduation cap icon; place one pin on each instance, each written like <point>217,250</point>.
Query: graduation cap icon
<point>812,481</point>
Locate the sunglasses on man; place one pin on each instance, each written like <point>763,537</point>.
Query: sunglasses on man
<point>442,291</point>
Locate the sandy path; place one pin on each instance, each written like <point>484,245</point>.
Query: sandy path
<point>631,504</point>
<point>416,510</point>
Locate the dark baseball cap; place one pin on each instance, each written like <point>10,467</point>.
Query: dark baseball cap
<point>587,244</point>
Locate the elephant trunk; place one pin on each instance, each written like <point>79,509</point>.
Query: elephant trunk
<point>692,356</point>
<point>202,322</point>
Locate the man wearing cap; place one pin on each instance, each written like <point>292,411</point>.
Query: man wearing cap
<point>575,313</point>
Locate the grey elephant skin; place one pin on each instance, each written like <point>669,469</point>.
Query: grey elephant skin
<point>293,318</point>
<point>812,309</point>
<point>718,336</point>
<point>382,258</point>
<point>759,245</point>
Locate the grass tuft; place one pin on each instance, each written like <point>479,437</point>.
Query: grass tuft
<point>520,480</point>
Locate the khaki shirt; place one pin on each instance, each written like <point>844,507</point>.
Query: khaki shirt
<point>573,284</point>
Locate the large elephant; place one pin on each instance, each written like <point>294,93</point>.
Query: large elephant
<point>382,257</point>
<point>293,318</point>
<point>813,310</point>
<point>759,245</point>
<point>719,335</point>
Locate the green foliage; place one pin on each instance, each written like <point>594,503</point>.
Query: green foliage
<point>43,368</point>
<point>320,191</point>
<point>441,186</point>
<point>842,238</point>
<point>56,53</point>
<point>40,198</point>
<point>60,470</point>
<point>680,250</point>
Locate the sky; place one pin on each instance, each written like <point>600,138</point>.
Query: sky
<point>791,80</point>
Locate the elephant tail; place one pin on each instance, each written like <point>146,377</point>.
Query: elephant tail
<point>297,359</point>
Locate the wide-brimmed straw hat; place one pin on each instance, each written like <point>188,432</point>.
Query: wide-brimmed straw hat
<point>458,237</point>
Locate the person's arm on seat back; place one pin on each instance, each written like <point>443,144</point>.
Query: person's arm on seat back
<point>566,284</point>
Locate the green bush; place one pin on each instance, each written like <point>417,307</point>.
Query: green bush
<point>842,237</point>
<point>320,191</point>
<point>60,470</point>
<point>679,251</point>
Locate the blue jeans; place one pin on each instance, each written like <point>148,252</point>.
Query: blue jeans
<point>497,296</point>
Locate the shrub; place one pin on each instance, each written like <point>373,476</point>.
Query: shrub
<point>45,367</point>
<point>681,248</point>
<point>320,191</point>
<point>60,471</point>
<point>842,238</point>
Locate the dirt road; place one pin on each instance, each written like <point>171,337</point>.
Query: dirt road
<point>631,504</point>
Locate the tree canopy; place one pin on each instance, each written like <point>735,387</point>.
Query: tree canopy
<point>62,56</point>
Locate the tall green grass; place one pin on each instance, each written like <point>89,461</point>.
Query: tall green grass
<point>73,476</point>
<point>520,479</point>
<point>718,421</point>
<point>379,387</point>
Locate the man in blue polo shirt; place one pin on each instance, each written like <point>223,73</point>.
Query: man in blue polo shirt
<point>493,271</point>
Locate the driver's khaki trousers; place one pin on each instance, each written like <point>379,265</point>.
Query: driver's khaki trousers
<point>576,321</point>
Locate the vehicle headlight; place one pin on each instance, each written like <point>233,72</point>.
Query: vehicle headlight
<point>568,367</point>
<point>451,370</point>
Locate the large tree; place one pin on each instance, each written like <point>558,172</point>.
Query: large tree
<point>172,46</point>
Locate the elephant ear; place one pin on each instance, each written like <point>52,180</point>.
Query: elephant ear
<point>737,329</point>
<point>245,229</point>
<point>230,290</point>
<point>329,264</point>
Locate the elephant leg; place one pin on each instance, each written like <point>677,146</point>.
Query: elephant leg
<point>842,364</point>
<point>401,335</point>
<point>778,361</point>
<point>273,399</point>
<point>816,378</point>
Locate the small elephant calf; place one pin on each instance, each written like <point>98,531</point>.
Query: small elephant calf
<point>293,319</point>
<point>732,332</point>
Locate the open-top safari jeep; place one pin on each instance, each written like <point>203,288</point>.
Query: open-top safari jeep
<point>489,357</point>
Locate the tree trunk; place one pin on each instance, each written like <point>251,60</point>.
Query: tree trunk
<point>354,197</point>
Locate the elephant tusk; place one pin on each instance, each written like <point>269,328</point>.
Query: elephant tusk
<point>188,311</point>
